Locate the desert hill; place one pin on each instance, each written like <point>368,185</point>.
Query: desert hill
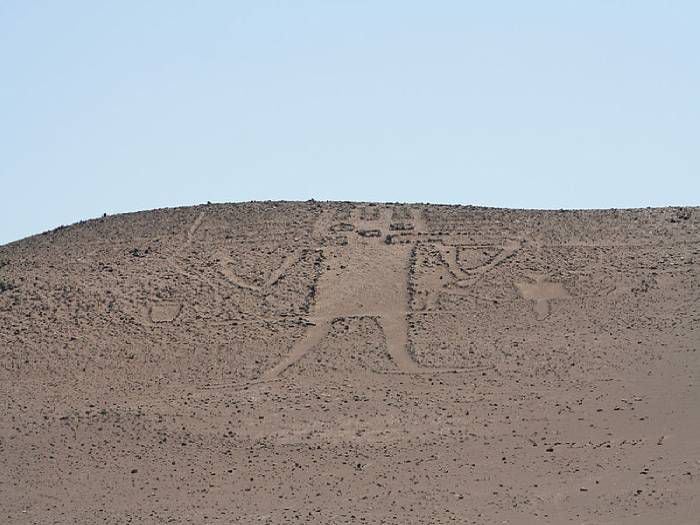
<point>353,362</point>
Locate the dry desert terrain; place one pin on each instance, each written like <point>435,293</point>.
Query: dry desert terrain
<point>321,362</point>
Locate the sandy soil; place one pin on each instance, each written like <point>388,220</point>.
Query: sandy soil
<point>353,363</point>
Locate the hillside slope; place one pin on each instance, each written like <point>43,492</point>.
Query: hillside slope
<point>336,362</point>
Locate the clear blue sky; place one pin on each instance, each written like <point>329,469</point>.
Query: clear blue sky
<point>128,105</point>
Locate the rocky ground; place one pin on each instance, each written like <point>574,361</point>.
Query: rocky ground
<point>353,363</point>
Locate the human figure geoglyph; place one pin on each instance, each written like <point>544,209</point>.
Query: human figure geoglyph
<point>362,276</point>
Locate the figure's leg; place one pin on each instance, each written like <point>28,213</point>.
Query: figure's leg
<point>313,336</point>
<point>395,329</point>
